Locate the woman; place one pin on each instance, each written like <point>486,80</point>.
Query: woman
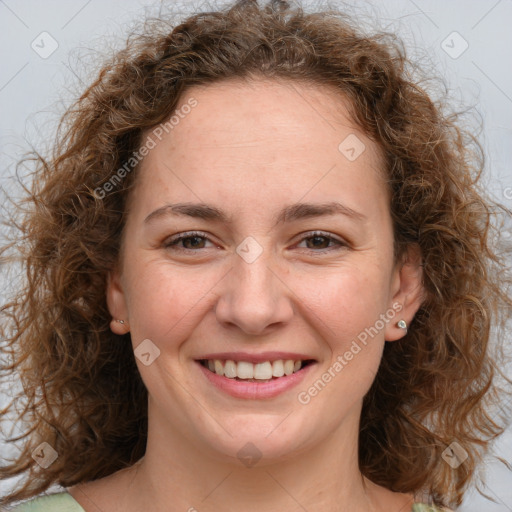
<point>259,277</point>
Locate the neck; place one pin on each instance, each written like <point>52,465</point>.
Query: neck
<point>179,471</point>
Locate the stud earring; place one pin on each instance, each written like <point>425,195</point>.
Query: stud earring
<point>120,321</point>
<point>402,324</point>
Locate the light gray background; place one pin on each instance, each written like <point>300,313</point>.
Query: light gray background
<point>35,90</point>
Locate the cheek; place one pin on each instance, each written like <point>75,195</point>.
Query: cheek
<point>344,310</point>
<point>344,302</point>
<point>164,299</point>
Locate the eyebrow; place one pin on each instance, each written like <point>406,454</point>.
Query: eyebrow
<point>291,213</point>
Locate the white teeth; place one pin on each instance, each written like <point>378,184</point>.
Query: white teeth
<point>219,370</point>
<point>263,371</point>
<point>245,370</point>
<point>278,368</point>
<point>230,369</point>
<point>288,366</point>
<point>259,371</point>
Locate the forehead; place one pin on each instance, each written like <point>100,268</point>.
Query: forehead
<point>285,136</point>
<point>232,112</point>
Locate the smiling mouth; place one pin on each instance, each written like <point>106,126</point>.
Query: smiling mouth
<point>255,372</point>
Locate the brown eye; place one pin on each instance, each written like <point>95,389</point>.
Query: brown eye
<point>322,242</point>
<point>193,242</point>
<point>318,242</point>
<point>187,242</point>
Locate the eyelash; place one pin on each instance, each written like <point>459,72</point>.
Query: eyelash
<point>173,242</point>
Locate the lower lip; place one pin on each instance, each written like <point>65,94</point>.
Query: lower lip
<point>255,390</point>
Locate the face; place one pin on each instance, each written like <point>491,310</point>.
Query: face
<point>259,231</point>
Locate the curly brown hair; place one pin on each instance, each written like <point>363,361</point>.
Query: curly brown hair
<point>82,392</point>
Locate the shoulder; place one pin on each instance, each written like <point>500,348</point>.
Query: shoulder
<point>61,502</point>
<point>421,507</point>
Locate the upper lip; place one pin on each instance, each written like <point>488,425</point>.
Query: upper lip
<point>260,357</point>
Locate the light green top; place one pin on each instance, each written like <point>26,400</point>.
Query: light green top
<point>63,502</point>
<point>420,507</point>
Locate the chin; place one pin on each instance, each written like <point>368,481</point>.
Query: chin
<point>259,439</point>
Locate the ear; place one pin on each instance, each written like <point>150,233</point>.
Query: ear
<point>407,292</point>
<point>116,303</point>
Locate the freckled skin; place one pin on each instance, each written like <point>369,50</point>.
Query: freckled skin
<point>250,150</point>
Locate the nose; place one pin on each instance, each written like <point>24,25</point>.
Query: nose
<point>253,297</point>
